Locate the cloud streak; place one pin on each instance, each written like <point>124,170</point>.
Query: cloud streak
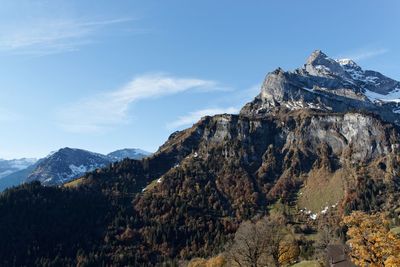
<point>103,111</point>
<point>363,54</point>
<point>194,116</point>
<point>49,36</point>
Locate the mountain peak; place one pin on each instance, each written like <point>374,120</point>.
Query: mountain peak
<point>328,84</point>
<point>316,55</point>
<point>66,149</point>
<point>278,71</point>
<point>319,64</point>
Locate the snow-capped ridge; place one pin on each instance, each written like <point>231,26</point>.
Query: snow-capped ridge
<point>324,83</point>
<point>347,62</point>
<point>132,153</point>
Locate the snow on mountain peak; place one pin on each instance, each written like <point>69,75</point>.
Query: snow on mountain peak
<point>347,62</point>
<point>328,84</point>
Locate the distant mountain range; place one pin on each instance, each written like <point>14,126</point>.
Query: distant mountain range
<point>128,153</point>
<point>16,178</point>
<point>10,166</point>
<point>61,166</point>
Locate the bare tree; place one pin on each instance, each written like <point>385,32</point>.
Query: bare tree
<point>328,227</point>
<point>257,243</point>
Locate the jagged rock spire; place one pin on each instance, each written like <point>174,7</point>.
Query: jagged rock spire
<point>316,57</point>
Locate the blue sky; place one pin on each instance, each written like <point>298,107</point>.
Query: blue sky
<point>102,75</point>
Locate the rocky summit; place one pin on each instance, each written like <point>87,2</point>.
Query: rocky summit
<point>315,144</point>
<point>328,85</point>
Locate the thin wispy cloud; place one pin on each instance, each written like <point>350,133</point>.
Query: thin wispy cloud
<point>103,111</point>
<point>363,54</point>
<point>49,36</point>
<point>194,116</point>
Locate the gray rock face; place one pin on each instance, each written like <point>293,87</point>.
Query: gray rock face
<point>366,136</point>
<point>329,85</point>
<point>319,64</point>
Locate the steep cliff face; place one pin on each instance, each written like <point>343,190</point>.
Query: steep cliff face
<point>274,155</point>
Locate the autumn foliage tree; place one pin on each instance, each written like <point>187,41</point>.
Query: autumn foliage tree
<point>371,242</point>
<point>217,261</point>
<point>288,252</point>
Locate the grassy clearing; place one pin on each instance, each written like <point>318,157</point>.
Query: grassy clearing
<point>74,183</point>
<point>322,188</point>
<point>281,208</point>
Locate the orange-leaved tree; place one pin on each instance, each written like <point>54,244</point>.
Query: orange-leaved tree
<point>217,261</point>
<point>371,242</point>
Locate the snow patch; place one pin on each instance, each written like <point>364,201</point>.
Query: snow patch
<point>325,210</point>
<point>309,89</point>
<point>314,216</point>
<point>323,69</point>
<point>77,170</point>
<point>346,62</point>
<point>393,96</point>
